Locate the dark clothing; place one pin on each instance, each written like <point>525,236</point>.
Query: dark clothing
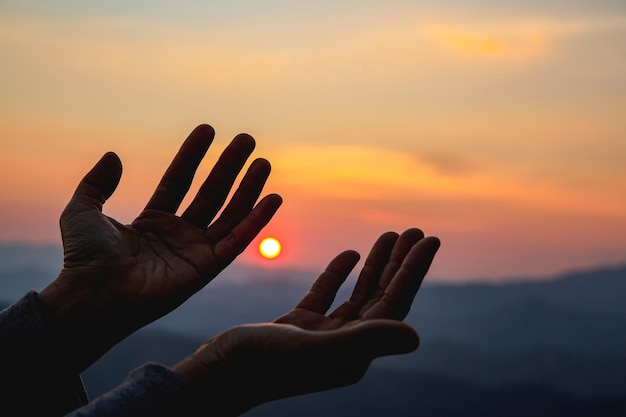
<point>36,384</point>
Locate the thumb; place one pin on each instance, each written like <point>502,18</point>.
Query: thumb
<point>376,338</point>
<point>98,185</point>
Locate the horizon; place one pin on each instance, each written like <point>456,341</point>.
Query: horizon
<point>272,274</point>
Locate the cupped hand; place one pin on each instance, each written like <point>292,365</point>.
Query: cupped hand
<point>117,278</point>
<point>306,350</point>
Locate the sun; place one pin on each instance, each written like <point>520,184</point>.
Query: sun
<point>269,247</point>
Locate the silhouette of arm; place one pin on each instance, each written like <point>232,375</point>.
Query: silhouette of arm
<point>34,381</point>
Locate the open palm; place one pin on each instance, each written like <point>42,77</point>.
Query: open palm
<point>307,350</point>
<point>117,278</point>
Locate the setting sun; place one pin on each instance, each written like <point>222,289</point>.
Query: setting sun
<point>269,247</point>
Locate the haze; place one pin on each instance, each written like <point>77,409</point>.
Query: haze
<point>496,126</point>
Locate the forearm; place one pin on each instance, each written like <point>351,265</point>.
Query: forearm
<point>151,390</point>
<point>82,323</point>
<point>36,381</point>
<point>214,391</point>
<point>69,313</point>
<point>155,390</point>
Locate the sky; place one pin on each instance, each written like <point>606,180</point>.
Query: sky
<point>498,126</point>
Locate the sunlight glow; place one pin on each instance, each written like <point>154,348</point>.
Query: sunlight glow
<point>270,247</point>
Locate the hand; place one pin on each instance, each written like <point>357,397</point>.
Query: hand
<point>117,278</point>
<point>305,350</point>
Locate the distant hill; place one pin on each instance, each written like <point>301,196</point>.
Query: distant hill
<point>583,312</point>
<point>24,268</point>
<point>410,394</point>
<point>544,347</point>
<point>382,392</point>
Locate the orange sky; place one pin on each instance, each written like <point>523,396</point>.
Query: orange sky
<point>499,130</point>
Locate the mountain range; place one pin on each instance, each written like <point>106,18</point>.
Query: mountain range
<point>550,347</point>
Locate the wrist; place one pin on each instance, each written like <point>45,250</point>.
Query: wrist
<point>218,386</point>
<point>58,303</point>
<point>211,394</point>
<point>68,315</point>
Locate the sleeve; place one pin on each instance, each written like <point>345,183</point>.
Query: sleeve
<point>150,390</point>
<point>34,381</point>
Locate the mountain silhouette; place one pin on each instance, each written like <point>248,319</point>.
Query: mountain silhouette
<point>549,347</point>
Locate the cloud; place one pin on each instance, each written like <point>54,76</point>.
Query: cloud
<point>449,164</point>
<point>142,52</point>
<point>374,175</point>
<point>514,39</point>
<point>520,45</point>
<point>173,56</point>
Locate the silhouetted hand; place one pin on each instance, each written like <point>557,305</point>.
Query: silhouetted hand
<point>117,278</point>
<point>306,350</point>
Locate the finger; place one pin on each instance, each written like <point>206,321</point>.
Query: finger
<point>368,277</point>
<point>215,189</point>
<point>378,338</point>
<point>243,200</point>
<point>98,184</point>
<point>403,245</point>
<point>240,237</point>
<point>341,357</point>
<point>396,301</point>
<point>323,291</point>
<point>177,179</point>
